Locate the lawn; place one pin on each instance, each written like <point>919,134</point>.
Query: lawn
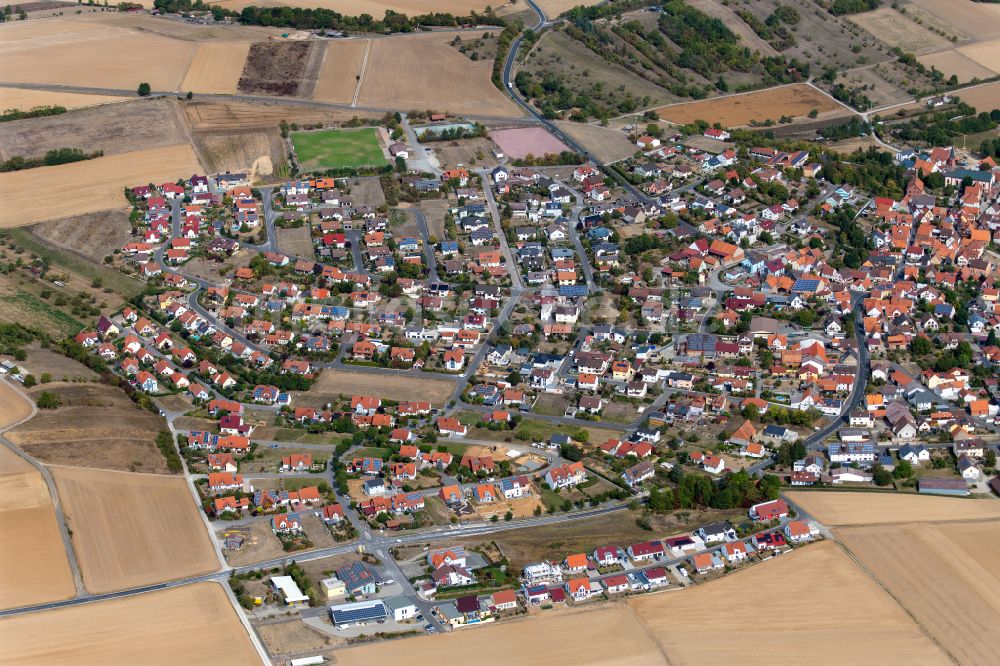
<point>335,149</point>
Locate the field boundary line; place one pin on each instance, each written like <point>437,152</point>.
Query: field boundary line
<point>652,636</point>
<point>909,613</point>
<point>361,74</point>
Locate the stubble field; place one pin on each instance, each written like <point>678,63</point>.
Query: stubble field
<point>216,67</point>
<point>984,98</point>
<point>24,99</point>
<point>607,145</point>
<point>342,62</point>
<point>61,51</point>
<point>948,578</point>
<point>895,29</point>
<point>27,196</point>
<point>133,529</point>
<point>815,596</point>
<point>834,509</point>
<point>794,100</point>
<point>425,72</point>
<point>600,636</point>
<point>34,568</point>
<point>184,625</point>
<point>332,383</point>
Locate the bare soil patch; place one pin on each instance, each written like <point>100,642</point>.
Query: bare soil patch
<point>297,242</point>
<point>275,68</point>
<point>949,579</point>
<point>289,639</point>
<point>260,545</point>
<point>520,142</point>
<point>434,210</point>
<point>154,628</point>
<point>793,100</point>
<point>469,152</point>
<point>216,67</point>
<point>840,508</point>
<point>835,608</point>
<point>118,128</point>
<point>426,72</point>
<point>133,529</point>
<point>332,383</point>
<point>24,99</point>
<point>260,153</point>
<point>27,196</point>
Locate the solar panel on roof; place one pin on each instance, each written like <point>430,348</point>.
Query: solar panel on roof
<point>573,290</point>
<point>365,614</point>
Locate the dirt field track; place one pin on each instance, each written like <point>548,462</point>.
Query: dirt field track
<point>948,580</point>
<point>425,72</point>
<point>342,62</point>
<point>33,564</point>
<point>133,529</point>
<point>394,387</point>
<point>156,628</point>
<point>27,197</point>
<point>24,99</point>
<point>795,100</point>
<point>816,592</point>
<point>216,67</point>
<point>89,54</point>
<point>839,508</point>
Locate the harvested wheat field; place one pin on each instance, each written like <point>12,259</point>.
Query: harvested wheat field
<point>948,579</point>
<point>90,54</point>
<point>554,8</point>
<point>426,72</point>
<point>839,508</point>
<point>216,67</point>
<point>342,63</point>
<point>605,144</point>
<point>133,529</point>
<point>605,635</point>
<point>332,383</point>
<point>985,97</point>
<point>154,628</point>
<point>25,99</point>
<point>34,568</point>
<point>816,596</point>
<point>27,196</point>
<point>795,100</point>
<point>986,54</point>
<point>952,62</point>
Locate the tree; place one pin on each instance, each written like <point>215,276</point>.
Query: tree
<point>508,516</point>
<point>29,381</point>
<point>48,400</point>
<point>46,377</point>
<point>990,458</point>
<point>904,470</point>
<point>144,89</point>
<point>571,452</point>
<point>880,476</point>
<point>920,346</point>
<point>190,95</point>
<point>751,413</point>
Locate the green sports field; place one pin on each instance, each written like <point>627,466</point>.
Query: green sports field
<point>334,149</point>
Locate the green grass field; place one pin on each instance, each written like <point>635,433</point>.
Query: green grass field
<point>335,149</point>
